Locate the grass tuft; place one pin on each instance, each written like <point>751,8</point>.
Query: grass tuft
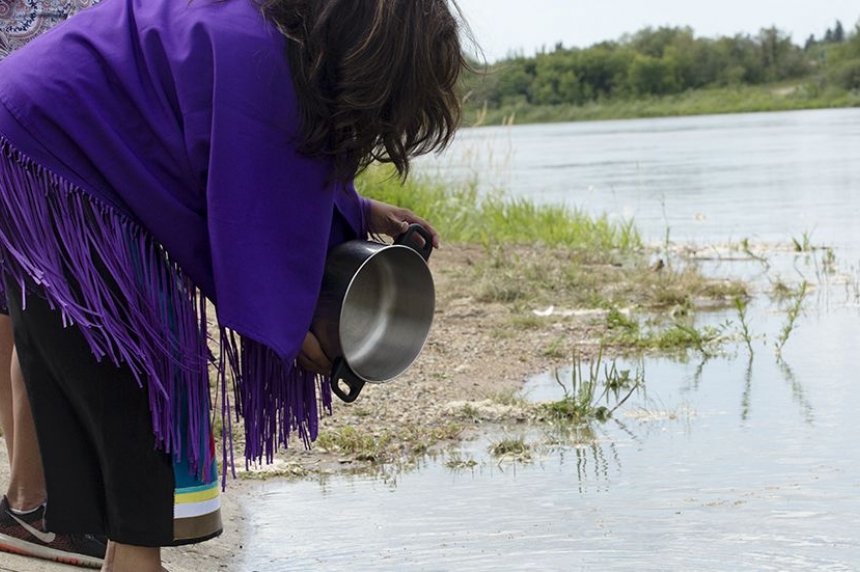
<point>462,215</point>
<point>588,395</point>
<point>512,449</point>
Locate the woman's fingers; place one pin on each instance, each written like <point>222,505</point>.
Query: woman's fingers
<point>393,221</point>
<point>411,218</point>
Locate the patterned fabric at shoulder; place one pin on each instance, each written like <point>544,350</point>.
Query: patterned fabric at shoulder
<point>23,20</point>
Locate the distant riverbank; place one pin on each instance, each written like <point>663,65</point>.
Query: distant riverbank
<point>738,99</point>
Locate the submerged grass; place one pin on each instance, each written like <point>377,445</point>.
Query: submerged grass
<point>675,335</point>
<point>512,449</point>
<point>793,312</point>
<point>594,392</point>
<point>392,445</point>
<point>741,306</point>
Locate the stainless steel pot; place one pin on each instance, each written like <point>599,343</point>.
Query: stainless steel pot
<point>375,309</point>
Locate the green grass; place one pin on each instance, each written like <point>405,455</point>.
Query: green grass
<point>514,449</point>
<point>351,442</point>
<point>461,215</point>
<point>404,442</point>
<point>793,312</point>
<point>741,305</point>
<point>665,336</point>
<point>457,461</point>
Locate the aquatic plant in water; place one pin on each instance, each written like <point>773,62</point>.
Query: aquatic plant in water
<point>792,314</point>
<point>512,449</point>
<point>741,306</point>
<point>588,395</point>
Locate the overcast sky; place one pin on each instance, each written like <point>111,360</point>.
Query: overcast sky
<point>502,27</point>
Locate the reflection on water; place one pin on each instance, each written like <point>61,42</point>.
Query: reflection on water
<point>589,448</point>
<point>745,401</point>
<point>797,390</point>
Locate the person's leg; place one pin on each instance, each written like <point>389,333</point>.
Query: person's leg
<point>103,470</point>
<point>26,489</point>
<point>126,557</point>
<point>26,479</point>
<point>25,532</point>
<point>6,345</point>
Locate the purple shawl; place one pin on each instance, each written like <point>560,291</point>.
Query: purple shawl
<point>174,122</point>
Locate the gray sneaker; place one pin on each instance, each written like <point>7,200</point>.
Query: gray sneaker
<point>25,534</point>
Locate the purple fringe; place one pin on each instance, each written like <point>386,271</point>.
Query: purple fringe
<point>274,398</point>
<point>149,316</point>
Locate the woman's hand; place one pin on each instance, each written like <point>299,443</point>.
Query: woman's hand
<point>393,221</point>
<point>312,357</point>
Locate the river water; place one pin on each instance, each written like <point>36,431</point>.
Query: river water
<point>762,176</point>
<point>744,461</point>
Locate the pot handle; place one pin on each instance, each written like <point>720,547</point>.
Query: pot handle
<point>341,372</point>
<point>408,239</point>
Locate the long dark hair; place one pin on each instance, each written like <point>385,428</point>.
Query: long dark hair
<point>376,79</point>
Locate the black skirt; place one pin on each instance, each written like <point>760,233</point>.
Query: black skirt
<point>103,472</point>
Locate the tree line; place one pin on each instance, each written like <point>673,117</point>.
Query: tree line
<point>664,61</point>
